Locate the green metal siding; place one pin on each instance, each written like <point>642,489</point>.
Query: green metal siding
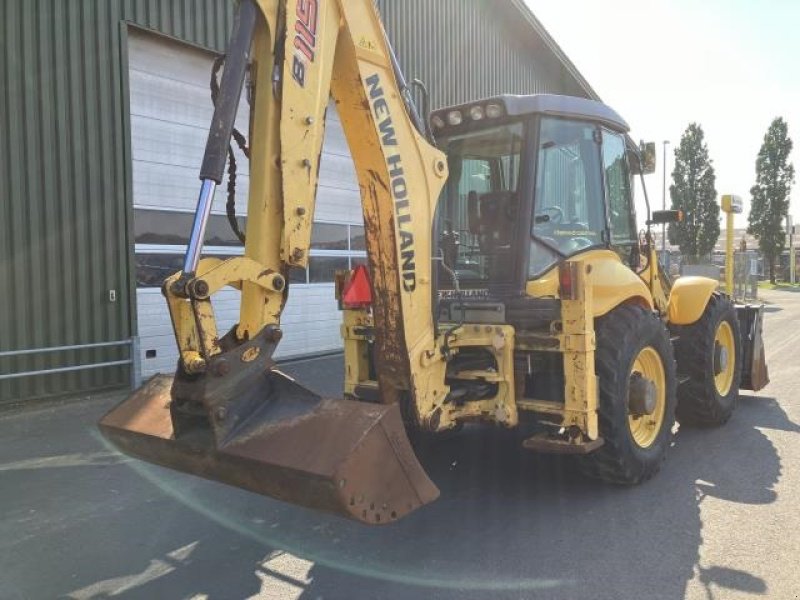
<point>65,150</point>
<point>470,49</point>
<point>65,171</point>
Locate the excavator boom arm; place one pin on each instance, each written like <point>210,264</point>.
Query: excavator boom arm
<point>228,414</point>
<point>338,50</point>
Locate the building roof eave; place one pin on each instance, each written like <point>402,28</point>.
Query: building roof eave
<point>551,44</point>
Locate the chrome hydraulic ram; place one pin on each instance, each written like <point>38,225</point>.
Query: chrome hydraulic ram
<point>219,134</point>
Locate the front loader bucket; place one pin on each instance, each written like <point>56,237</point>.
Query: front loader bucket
<point>345,457</point>
<point>755,375</point>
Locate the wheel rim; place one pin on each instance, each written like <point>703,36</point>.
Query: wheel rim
<point>645,428</point>
<point>724,358</point>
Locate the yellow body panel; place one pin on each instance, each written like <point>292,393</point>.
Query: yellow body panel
<point>688,299</point>
<point>612,282</point>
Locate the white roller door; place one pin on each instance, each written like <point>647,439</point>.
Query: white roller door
<point>170,110</point>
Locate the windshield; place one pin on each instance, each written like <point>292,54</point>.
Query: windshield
<point>569,214</point>
<point>478,208</point>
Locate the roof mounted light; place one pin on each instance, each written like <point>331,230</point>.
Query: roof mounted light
<point>476,112</point>
<point>494,110</point>
<point>454,117</point>
<point>437,121</point>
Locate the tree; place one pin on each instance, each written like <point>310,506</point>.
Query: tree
<point>693,192</point>
<point>770,195</point>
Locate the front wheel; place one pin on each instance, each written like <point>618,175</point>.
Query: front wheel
<point>636,371</point>
<point>709,355</point>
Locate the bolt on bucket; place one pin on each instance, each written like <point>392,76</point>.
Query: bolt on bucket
<point>268,434</point>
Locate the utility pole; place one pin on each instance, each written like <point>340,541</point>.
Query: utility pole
<point>792,267</point>
<point>665,143</point>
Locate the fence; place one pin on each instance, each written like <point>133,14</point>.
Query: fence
<point>132,360</point>
<point>747,267</point>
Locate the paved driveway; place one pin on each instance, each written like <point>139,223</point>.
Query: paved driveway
<point>722,519</point>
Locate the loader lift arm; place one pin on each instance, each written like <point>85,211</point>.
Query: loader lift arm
<point>228,415</point>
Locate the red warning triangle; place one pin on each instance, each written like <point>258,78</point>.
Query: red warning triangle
<point>357,292</point>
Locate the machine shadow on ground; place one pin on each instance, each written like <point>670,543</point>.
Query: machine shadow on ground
<point>530,519</point>
<point>509,524</point>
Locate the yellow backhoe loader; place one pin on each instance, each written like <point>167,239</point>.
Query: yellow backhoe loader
<point>506,283</point>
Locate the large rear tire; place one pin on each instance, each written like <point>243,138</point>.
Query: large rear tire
<point>632,344</point>
<point>709,355</point>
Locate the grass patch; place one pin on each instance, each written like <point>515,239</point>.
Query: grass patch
<point>766,285</point>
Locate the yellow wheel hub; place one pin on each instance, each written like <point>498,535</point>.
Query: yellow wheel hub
<point>645,427</point>
<point>724,358</point>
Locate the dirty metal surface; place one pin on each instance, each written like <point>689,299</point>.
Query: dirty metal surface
<point>755,375</point>
<point>345,457</point>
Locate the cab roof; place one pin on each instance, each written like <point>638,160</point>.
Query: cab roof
<point>551,104</point>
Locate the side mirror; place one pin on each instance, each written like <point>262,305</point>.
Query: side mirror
<point>473,213</point>
<point>648,153</point>
<point>663,217</point>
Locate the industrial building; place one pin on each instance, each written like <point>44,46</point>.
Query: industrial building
<point>104,115</point>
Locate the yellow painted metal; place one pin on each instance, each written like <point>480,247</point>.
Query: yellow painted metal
<point>645,428</point>
<point>236,272</point>
<point>311,51</point>
<point>688,299</point>
<point>400,176</point>
<point>724,338</point>
<point>729,254</point>
<point>652,276</point>
<point>580,381</point>
<point>260,307</point>
<point>731,205</point>
<point>184,328</point>
<point>355,323</point>
<point>545,286</point>
<point>502,408</point>
<point>613,282</point>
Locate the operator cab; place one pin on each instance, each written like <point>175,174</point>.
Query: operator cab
<point>533,180</point>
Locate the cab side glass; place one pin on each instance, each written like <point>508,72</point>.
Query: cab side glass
<point>569,215</point>
<point>618,189</point>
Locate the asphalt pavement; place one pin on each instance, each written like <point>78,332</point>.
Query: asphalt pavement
<point>721,520</point>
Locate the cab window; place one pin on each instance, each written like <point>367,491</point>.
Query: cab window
<point>569,212</point>
<point>618,189</point>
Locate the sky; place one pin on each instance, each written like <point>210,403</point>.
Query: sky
<point>729,65</point>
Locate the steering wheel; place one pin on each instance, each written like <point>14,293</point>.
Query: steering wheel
<point>554,216</point>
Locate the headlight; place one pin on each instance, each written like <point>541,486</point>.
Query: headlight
<point>476,113</point>
<point>437,121</point>
<point>454,117</point>
<point>494,110</point>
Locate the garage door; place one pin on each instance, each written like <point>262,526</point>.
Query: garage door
<point>170,113</point>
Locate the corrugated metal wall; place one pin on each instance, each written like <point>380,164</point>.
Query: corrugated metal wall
<point>64,143</point>
<point>65,173</point>
<point>470,49</point>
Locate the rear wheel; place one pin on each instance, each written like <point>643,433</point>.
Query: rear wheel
<point>709,355</point>
<point>636,371</point>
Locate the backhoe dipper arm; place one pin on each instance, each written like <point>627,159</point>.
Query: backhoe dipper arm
<point>227,414</point>
<point>338,49</point>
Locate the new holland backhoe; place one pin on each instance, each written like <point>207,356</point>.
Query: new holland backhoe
<point>507,283</point>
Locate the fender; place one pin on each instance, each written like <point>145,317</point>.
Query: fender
<point>688,299</point>
<point>613,283</point>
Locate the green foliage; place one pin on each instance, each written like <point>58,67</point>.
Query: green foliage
<point>693,192</point>
<point>770,194</point>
